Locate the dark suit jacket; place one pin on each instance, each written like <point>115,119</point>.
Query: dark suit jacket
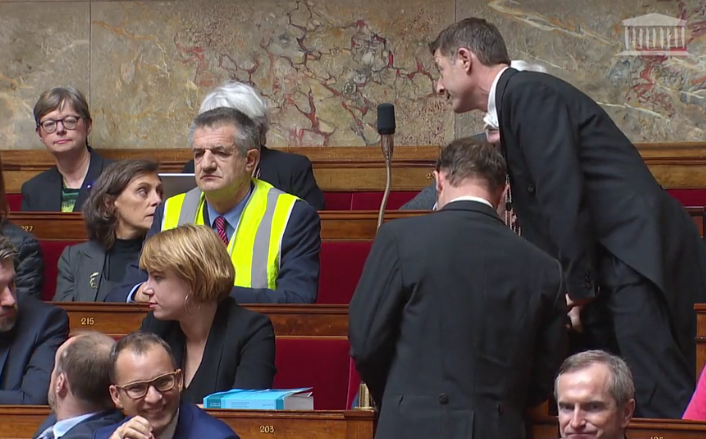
<point>288,172</point>
<point>239,353</point>
<point>581,190</point>
<point>426,199</point>
<point>27,352</point>
<point>42,193</point>
<point>457,325</point>
<point>85,428</point>
<point>193,423</point>
<point>77,266</point>
<point>29,271</point>
<point>298,280</point>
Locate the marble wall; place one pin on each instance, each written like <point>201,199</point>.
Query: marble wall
<point>324,65</point>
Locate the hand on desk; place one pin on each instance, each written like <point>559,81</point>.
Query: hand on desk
<point>136,428</point>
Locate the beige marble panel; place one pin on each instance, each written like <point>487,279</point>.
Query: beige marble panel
<point>651,97</point>
<point>42,45</point>
<point>322,65</point>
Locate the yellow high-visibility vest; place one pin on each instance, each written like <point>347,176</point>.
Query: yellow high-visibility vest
<point>255,247</point>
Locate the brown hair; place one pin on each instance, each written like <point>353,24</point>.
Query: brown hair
<point>99,210</point>
<point>195,254</point>
<point>470,157</point>
<point>138,342</point>
<point>475,34</point>
<point>86,364</point>
<point>58,97</point>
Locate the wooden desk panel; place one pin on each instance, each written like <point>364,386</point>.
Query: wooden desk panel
<point>356,168</point>
<point>118,319</point>
<point>20,422</point>
<point>547,428</point>
<point>346,225</point>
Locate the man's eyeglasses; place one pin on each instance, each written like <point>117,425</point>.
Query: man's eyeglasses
<point>50,125</point>
<point>162,383</point>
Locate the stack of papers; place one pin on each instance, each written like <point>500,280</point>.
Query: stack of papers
<point>270,399</point>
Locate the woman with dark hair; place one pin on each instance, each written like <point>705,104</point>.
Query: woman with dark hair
<point>118,214</point>
<point>29,266</point>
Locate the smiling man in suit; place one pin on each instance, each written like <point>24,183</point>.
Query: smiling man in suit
<point>146,385</point>
<point>631,255</point>
<point>78,392</point>
<point>30,333</point>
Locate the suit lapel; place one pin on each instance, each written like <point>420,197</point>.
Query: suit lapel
<point>92,265</point>
<point>5,345</point>
<point>184,423</point>
<point>95,167</point>
<point>52,194</point>
<point>499,93</point>
<point>208,373</point>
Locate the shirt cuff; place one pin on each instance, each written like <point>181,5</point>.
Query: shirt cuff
<point>131,296</point>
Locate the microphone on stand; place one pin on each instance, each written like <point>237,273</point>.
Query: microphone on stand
<point>386,129</point>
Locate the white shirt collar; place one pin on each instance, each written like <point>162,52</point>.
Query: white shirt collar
<point>62,427</point>
<point>170,429</point>
<point>491,117</point>
<point>470,198</point>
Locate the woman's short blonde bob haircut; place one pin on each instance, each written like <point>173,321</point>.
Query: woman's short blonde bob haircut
<point>195,254</point>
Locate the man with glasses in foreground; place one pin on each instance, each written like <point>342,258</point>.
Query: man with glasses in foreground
<point>147,385</point>
<point>63,125</point>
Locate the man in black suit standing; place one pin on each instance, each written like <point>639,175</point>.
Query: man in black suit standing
<point>457,324</point>
<point>30,333</point>
<point>631,255</point>
<point>79,394</point>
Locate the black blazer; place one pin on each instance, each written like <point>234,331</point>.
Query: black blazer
<point>29,271</point>
<point>239,353</point>
<point>288,172</point>
<point>85,428</point>
<point>298,279</point>
<point>457,325</point>
<point>580,188</point>
<point>27,352</point>
<point>42,193</point>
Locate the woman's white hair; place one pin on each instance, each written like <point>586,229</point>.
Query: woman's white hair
<point>491,121</point>
<point>242,97</point>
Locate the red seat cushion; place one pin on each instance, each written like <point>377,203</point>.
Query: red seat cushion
<point>689,197</point>
<point>341,266</point>
<point>51,251</point>
<point>338,200</point>
<point>14,202</point>
<point>318,362</point>
<point>372,200</point>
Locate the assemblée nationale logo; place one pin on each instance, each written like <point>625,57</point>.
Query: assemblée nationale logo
<point>655,35</point>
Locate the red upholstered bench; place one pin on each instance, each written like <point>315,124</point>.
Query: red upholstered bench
<point>14,202</point>
<point>689,197</point>
<point>318,362</point>
<point>51,251</point>
<point>341,266</point>
<point>366,200</point>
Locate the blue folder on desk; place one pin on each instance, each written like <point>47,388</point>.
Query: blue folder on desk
<point>269,399</point>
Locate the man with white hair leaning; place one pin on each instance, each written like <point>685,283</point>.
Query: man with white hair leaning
<point>291,173</point>
<point>426,199</point>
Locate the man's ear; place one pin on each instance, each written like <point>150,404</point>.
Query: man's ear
<point>466,58</point>
<point>627,413</point>
<point>437,181</point>
<point>115,396</point>
<point>252,159</point>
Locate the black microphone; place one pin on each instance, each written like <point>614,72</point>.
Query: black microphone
<point>386,129</point>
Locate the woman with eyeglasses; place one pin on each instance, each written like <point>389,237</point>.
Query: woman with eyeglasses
<point>218,344</point>
<point>118,214</point>
<point>63,125</point>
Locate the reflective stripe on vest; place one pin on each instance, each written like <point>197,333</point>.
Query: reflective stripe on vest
<point>255,247</point>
